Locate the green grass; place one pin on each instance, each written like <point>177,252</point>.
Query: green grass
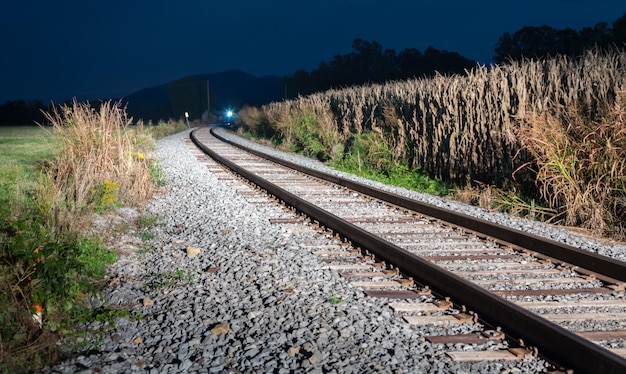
<point>398,176</point>
<point>371,157</point>
<point>23,147</point>
<point>22,150</point>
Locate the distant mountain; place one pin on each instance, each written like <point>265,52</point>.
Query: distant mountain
<point>227,90</point>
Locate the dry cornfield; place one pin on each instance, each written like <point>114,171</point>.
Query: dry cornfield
<point>463,128</point>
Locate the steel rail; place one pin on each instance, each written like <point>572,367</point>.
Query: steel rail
<point>552,341</point>
<point>575,256</point>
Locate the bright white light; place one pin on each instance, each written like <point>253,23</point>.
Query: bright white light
<point>229,113</point>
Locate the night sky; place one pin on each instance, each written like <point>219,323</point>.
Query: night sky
<point>56,50</point>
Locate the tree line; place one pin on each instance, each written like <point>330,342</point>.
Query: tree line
<point>369,63</point>
<point>29,112</point>
<point>22,112</point>
<point>532,42</point>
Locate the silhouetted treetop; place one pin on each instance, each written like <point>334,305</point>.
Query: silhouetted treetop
<point>541,41</point>
<point>370,63</point>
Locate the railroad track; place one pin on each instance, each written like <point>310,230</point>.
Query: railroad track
<point>436,267</point>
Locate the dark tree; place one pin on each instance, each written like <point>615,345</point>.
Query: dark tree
<point>22,112</point>
<point>370,63</point>
<point>533,42</point>
<point>409,62</point>
<point>444,62</point>
<point>588,37</point>
<point>618,32</point>
<point>299,83</point>
<point>529,41</point>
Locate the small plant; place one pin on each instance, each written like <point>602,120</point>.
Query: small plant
<point>170,279</point>
<point>334,299</point>
<point>82,335</point>
<point>507,200</point>
<point>513,203</point>
<point>122,228</point>
<point>145,249</point>
<point>144,224</point>
<point>146,235</point>
<point>108,195</point>
<point>156,174</point>
<point>146,221</point>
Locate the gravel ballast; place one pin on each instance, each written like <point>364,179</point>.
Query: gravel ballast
<point>219,289</point>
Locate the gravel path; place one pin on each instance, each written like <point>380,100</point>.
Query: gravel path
<point>219,289</point>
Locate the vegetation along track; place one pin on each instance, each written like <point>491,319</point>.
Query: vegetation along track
<point>561,302</point>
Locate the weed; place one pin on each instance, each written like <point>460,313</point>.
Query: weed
<point>255,122</point>
<point>299,133</point>
<point>163,129</point>
<point>511,202</point>
<point>144,224</point>
<point>334,299</point>
<point>122,228</point>
<point>156,174</point>
<point>107,194</point>
<point>145,249</point>
<point>96,147</point>
<point>82,334</point>
<point>580,164</point>
<point>507,200</point>
<point>109,315</point>
<point>146,221</point>
<point>146,235</point>
<point>169,279</point>
<point>54,275</point>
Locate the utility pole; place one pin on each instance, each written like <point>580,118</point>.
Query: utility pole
<point>208,102</point>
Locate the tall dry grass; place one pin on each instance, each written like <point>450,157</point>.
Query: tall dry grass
<point>306,124</point>
<point>255,122</point>
<point>99,154</point>
<point>580,163</point>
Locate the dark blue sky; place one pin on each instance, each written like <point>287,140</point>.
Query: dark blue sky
<point>54,50</point>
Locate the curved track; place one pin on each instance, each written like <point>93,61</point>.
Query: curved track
<point>489,271</point>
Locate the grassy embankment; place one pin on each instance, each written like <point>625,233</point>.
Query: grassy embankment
<point>538,138</point>
<point>53,181</point>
